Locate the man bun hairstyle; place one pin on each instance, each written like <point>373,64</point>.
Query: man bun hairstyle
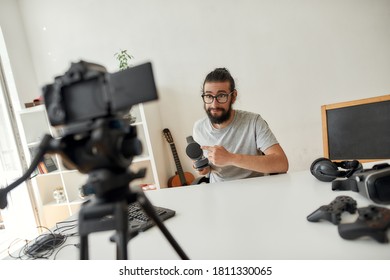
<point>220,75</point>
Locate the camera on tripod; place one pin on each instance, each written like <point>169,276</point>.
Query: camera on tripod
<point>89,104</point>
<point>87,92</point>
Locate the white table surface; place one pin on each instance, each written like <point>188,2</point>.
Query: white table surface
<point>258,218</point>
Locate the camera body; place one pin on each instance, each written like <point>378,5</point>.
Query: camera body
<point>89,104</point>
<point>87,92</point>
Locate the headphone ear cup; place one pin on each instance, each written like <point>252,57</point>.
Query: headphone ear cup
<point>324,170</point>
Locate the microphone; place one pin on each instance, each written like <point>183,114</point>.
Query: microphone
<point>195,153</point>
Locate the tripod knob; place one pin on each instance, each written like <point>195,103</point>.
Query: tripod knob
<point>131,147</point>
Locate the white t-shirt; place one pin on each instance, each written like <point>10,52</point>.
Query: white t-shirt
<point>248,134</point>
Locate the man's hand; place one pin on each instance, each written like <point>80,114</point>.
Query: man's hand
<point>203,171</point>
<point>218,155</point>
<point>274,159</point>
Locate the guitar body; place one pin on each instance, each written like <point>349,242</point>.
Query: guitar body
<point>181,178</point>
<point>175,180</point>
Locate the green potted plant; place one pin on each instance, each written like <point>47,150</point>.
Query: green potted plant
<point>123,58</point>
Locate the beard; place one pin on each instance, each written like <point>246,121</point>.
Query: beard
<point>219,119</point>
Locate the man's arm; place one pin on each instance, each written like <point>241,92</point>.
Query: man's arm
<point>274,159</point>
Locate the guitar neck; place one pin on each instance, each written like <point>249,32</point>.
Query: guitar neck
<point>179,168</point>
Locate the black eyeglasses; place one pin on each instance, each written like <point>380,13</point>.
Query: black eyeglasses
<point>221,98</point>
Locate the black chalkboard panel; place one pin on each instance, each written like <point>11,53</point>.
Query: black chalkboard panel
<point>357,129</point>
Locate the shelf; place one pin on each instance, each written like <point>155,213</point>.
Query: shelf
<point>53,173</point>
<point>34,109</point>
<point>35,125</point>
<point>65,171</point>
<point>78,201</point>
<point>55,204</point>
<point>141,159</point>
<point>33,144</point>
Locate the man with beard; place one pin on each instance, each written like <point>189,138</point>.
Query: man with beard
<point>238,144</point>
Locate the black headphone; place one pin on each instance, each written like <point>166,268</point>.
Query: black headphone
<point>326,170</point>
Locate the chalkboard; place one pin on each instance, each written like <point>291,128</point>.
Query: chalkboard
<point>357,129</point>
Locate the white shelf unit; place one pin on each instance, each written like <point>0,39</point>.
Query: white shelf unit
<point>147,122</point>
<point>35,124</point>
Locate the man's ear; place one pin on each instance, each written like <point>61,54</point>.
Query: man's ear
<point>234,95</point>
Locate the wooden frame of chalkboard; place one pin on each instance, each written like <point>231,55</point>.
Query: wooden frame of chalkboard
<point>358,129</point>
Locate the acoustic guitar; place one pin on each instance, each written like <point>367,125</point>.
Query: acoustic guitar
<point>181,178</point>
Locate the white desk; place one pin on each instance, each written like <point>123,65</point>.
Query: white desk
<point>259,218</point>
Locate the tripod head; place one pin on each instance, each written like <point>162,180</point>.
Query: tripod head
<point>104,146</point>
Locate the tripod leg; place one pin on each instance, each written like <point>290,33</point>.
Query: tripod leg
<point>149,210</point>
<point>84,247</point>
<point>83,235</point>
<point>92,219</point>
<point>122,230</point>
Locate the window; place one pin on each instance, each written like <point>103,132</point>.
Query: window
<point>17,221</point>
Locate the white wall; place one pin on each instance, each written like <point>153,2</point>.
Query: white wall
<point>288,57</point>
<point>18,51</point>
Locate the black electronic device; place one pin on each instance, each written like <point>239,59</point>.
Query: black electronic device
<point>372,183</point>
<point>373,221</point>
<point>90,104</point>
<point>194,152</point>
<point>326,170</point>
<point>332,212</point>
<point>140,221</point>
<point>87,92</point>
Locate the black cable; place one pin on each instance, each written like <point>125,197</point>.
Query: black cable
<point>19,257</point>
<point>41,247</point>
<point>66,226</point>
<point>77,245</point>
<point>44,245</point>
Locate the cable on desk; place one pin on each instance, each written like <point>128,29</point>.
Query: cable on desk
<point>66,226</point>
<point>20,256</point>
<point>44,245</point>
<point>77,245</point>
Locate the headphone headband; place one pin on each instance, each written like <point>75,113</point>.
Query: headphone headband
<point>348,164</point>
<point>326,170</point>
